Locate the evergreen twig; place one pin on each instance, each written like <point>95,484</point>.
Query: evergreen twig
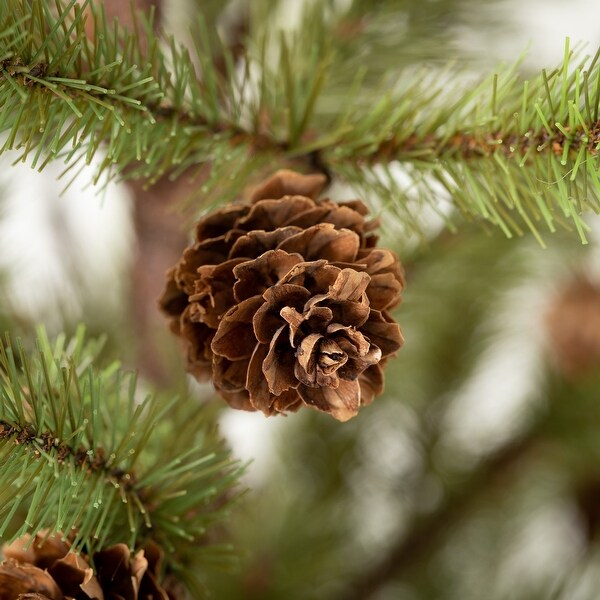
<point>81,454</point>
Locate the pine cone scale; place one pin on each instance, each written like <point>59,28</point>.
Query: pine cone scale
<point>17,579</point>
<point>213,291</point>
<point>76,576</point>
<point>197,337</point>
<point>258,387</point>
<point>210,252</point>
<point>371,383</point>
<point>342,402</point>
<point>383,290</point>
<point>323,241</point>
<point>255,243</point>
<point>383,332</point>
<point>256,276</point>
<point>306,366</point>
<point>267,319</point>
<point>310,217</point>
<point>288,182</point>
<point>272,214</point>
<point>217,225</point>
<point>352,314</point>
<point>235,336</point>
<point>278,365</point>
<point>231,374</point>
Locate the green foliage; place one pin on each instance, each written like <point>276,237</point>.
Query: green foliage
<point>519,155</point>
<point>83,454</point>
<point>63,95</point>
<point>513,153</point>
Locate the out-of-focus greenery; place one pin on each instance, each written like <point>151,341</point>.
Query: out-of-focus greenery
<point>339,498</point>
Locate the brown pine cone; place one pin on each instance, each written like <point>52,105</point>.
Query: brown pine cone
<point>46,570</point>
<point>573,324</point>
<point>283,301</point>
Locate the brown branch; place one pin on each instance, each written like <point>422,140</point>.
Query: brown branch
<point>46,442</point>
<point>471,146</point>
<point>429,532</point>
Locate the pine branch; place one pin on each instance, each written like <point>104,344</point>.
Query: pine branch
<point>81,455</point>
<point>520,155</point>
<point>81,93</point>
<point>517,154</point>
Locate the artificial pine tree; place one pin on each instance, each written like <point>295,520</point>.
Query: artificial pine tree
<point>283,300</point>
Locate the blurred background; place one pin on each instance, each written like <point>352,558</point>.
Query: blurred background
<point>477,473</point>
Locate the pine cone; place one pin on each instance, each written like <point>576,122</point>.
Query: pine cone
<point>573,323</point>
<point>47,570</point>
<point>284,301</point>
